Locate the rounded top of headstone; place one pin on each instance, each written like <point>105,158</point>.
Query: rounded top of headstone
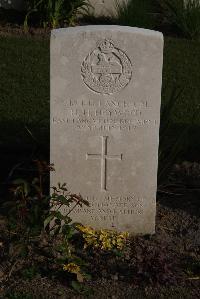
<point>117,28</point>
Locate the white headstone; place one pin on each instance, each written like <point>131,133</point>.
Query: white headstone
<point>105,113</point>
<point>103,7</point>
<point>12,4</point>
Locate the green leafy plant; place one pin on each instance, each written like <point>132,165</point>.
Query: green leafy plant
<point>136,13</point>
<point>28,203</point>
<point>183,16</point>
<point>59,224</point>
<point>42,236</point>
<point>54,13</point>
<point>35,218</point>
<point>61,197</point>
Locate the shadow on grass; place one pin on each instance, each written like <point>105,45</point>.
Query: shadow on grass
<point>19,145</point>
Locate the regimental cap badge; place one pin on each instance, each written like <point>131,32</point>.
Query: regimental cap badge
<point>106,69</point>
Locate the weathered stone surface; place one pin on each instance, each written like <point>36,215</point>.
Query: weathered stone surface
<point>105,111</point>
<point>9,4</point>
<point>103,7</point>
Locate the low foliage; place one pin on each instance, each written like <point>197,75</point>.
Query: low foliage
<point>57,253</point>
<point>36,223</point>
<point>103,239</point>
<point>30,210</point>
<point>136,13</point>
<point>28,203</point>
<point>54,13</point>
<point>183,16</point>
<point>61,225</point>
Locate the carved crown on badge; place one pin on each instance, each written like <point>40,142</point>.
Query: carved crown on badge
<point>106,46</point>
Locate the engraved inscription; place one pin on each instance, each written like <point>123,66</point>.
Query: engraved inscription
<point>104,157</point>
<point>110,208</point>
<point>106,115</point>
<point>106,69</point>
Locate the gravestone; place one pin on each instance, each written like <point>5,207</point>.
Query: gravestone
<point>105,112</point>
<point>103,7</point>
<point>12,4</point>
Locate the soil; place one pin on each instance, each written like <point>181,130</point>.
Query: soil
<point>164,265</point>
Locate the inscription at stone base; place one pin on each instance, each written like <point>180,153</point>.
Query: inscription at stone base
<point>105,113</point>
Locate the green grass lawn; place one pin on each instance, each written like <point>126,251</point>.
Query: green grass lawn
<point>24,91</point>
<point>24,88</point>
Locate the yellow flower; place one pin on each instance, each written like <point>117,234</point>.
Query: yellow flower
<point>72,268</point>
<point>113,242</point>
<point>106,244</point>
<point>86,229</point>
<point>124,235</point>
<point>103,239</point>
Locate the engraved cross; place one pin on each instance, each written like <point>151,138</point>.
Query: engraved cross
<point>104,157</point>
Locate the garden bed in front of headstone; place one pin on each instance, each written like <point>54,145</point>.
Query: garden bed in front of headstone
<point>164,265</point>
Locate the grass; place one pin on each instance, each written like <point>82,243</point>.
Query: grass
<point>183,16</point>
<point>181,64</point>
<point>24,88</point>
